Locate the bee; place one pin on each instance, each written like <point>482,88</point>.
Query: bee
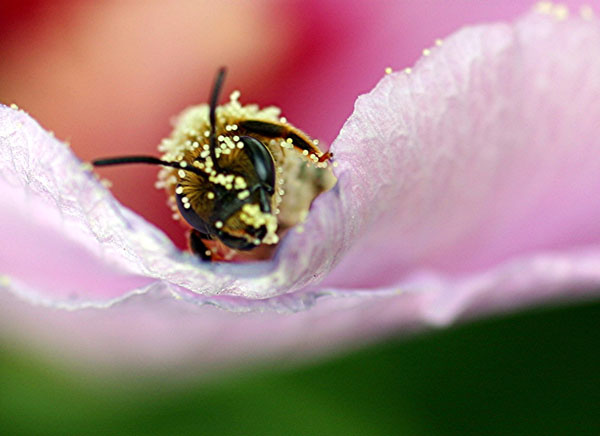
<point>239,176</point>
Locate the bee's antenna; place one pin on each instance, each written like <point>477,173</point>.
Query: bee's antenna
<point>151,160</point>
<point>214,98</point>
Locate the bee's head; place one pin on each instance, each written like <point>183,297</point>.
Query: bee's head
<point>242,215</point>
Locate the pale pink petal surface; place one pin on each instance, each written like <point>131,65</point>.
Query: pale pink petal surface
<point>466,187</point>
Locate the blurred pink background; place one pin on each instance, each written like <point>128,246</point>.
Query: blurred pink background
<point>108,76</point>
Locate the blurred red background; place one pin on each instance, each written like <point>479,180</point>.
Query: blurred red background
<point>108,76</point>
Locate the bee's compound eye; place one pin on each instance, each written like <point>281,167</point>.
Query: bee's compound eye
<point>188,213</point>
<point>261,160</point>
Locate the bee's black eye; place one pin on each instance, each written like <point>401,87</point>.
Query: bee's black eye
<point>261,160</point>
<point>191,216</point>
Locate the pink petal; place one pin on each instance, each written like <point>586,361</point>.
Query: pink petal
<point>466,187</point>
<point>485,152</point>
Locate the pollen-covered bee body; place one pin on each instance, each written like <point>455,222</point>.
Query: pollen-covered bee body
<point>240,176</point>
<point>257,182</point>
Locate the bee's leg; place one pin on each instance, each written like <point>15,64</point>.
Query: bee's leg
<point>273,130</point>
<point>197,245</point>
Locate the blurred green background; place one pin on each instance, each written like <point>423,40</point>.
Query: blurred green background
<point>530,373</point>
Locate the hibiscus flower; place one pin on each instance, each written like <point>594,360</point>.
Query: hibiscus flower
<point>466,185</point>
